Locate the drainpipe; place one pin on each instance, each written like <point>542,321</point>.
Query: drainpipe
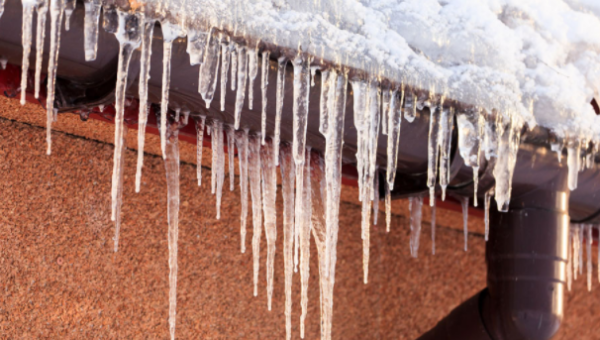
<point>526,256</point>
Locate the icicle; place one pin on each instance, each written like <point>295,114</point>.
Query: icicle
<point>433,148</point>
<point>445,149</point>
<point>464,202</point>
<point>28,7</point>
<point>508,147</point>
<point>254,167</point>
<point>369,149</point>
<point>410,106</point>
<point>119,198</point>
<point>90,33</point>
<point>288,173</point>
<point>376,198</point>
<point>359,88</point>
<point>323,114</point>
<point>576,246</point>
<point>230,153</point>
<point>42,14</point>
<point>469,125</point>
<point>326,279</point>
<point>269,177</point>
<point>385,107</point>
<point>336,108</point>
<point>281,64</point>
<point>209,69</point>
<point>147,33</point>
<point>128,35</point>
<point>170,33</point>
<point>305,227</point>
<point>200,123</point>
<point>225,60</point>
<point>69,8</point>
<point>486,219</point>
<point>242,76</point>
<point>196,46</point>
<point>252,73</point>
<point>57,9</point>
<point>490,137</point>
<point>234,65</point>
<point>393,140</point>
<point>264,83</point>
<point>580,255</point>
<point>388,207</point>
<point>573,161</point>
<point>218,163</point>
<point>589,256</point>
<point>241,141</point>
<point>570,260</point>
<point>415,207</point>
<point>300,113</point>
<point>300,109</point>
<point>433,228</point>
<point>172,171</point>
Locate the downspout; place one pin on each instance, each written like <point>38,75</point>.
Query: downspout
<point>526,256</point>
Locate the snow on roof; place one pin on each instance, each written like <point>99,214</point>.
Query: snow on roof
<point>494,54</point>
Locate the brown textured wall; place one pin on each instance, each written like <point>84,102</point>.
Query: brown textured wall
<point>61,279</point>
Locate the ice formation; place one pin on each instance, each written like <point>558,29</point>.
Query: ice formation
<point>496,67</point>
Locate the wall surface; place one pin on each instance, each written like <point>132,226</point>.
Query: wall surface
<point>61,279</point>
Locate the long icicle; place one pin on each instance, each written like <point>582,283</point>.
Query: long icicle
<point>209,69</point>
<point>280,91</point>
<point>300,114</point>
<point>394,123</point>
<point>255,191</point>
<point>28,7</point>
<point>269,181</point>
<point>172,172</point>
<point>371,132</point>
<point>252,73</point>
<point>57,10</point>
<point>200,125</point>
<point>336,107</point>
<point>40,37</point>
<point>433,148</point>
<point>225,61</point>
<point>129,39</point>
<point>589,241</point>
<point>465,210</point>
<point>242,77</point>
<point>170,33</point>
<point>264,84</point>
<point>433,225</point>
<point>146,53</point>
<point>570,259</point>
<point>288,173</point>
<point>218,165</point>
<point>230,155</point>
<point>241,140</point>
<point>304,239</point>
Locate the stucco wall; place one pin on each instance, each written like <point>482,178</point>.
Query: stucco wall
<point>61,279</point>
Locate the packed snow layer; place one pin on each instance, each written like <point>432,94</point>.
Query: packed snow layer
<point>536,58</point>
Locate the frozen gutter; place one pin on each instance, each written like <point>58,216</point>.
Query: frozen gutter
<point>417,69</point>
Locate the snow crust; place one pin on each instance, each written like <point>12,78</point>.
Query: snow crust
<point>534,59</point>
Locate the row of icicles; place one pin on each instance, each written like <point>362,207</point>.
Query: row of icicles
<point>311,183</point>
